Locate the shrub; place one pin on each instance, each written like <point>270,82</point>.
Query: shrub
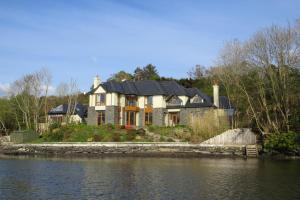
<point>55,136</point>
<point>286,143</point>
<point>152,128</point>
<point>131,134</point>
<point>141,132</point>
<point>97,138</point>
<point>54,125</point>
<point>116,137</point>
<point>109,126</point>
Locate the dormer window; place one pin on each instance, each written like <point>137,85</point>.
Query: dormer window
<point>100,99</point>
<point>196,99</point>
<point>174,101</point>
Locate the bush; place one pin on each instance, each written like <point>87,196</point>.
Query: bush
<point>141,132</point>
<point>116,137</point>
<point>54,125</point>
<point>286,143</point>
<point>54,136</point>
<point>109,126</point>
<point>97,138</point>
<point>131,134</point>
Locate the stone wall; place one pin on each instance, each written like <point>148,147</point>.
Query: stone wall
<point>92,118</point>
<point>141,118</point>
<point>159,116</point>
<point>122,149</point>
<point>111,115</point>
<point>23,136</point>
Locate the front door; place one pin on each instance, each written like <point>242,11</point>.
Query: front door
<point>174,118</point>
<point>130,118</point>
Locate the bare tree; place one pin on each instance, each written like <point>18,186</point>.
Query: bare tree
<point>197,72</point>
<point>30,94</point>
<point>260,71</point>
<point>70,91</point>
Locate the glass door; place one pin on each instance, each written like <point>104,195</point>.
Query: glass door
<point>130,118</point>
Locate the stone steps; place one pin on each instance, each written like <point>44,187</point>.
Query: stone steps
<point>251,151</point>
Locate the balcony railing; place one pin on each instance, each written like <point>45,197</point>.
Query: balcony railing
<point>100,103</point>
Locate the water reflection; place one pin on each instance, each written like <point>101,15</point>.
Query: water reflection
<point>148,178</point>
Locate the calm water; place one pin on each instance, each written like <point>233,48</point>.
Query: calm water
<point>148,178</point>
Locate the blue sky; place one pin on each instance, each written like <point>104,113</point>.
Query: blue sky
<point>81,38</point>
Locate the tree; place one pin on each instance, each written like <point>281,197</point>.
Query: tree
<point>7,119</point>
<point>71,92</point>
<point>263,73</point>
<point>30,93</point>
<point>121,76</point>
<point>197,72</point>
<point>149,72</point>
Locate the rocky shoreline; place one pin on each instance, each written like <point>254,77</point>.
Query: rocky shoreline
<point>124,149</point>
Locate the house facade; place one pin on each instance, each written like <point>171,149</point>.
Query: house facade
<point>147,102</point>
<point>59,114</point>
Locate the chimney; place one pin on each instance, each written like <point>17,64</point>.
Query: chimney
<point>216,95</point>
<point>97,81</point>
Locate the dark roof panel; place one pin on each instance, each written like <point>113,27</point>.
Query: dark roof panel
<point>149,87</point>
<point>80,110</point>
<point>173,88</point>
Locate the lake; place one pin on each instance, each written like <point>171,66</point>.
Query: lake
<point>148,178</point>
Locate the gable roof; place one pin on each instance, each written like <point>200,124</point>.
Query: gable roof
<point>143,87</point>
<point>151,88</point>
<point>62,109</point>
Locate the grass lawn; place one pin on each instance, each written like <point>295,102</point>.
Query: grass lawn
<point>85,133</point>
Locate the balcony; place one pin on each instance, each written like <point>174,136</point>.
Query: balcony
<point>131,103</point>
<point>100,103</point>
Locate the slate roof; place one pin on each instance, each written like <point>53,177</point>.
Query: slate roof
<point>80,110</point>
<point>151,87</point>
<point>225,103</point>
<point>147,88</point>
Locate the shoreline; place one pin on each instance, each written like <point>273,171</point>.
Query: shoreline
<point>129,149</point>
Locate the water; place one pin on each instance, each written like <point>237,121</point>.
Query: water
<point>148,178</point>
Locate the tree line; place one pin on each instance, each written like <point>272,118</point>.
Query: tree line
<point>260,76</point>
<point>28,101</point>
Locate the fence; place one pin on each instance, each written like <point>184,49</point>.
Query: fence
<point>23,136</point>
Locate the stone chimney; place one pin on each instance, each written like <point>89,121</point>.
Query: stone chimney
<point>216,95</point>
<point>97,81</point>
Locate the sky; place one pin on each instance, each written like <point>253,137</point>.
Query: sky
<point>80,39</point>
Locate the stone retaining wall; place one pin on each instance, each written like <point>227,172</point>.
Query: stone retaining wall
<point>122,149</point>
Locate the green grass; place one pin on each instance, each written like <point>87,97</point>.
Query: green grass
<point>181,133</point>
<point>85,133</point>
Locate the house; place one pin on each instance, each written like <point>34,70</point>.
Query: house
<point>59,114</point>
<point>148,102</point>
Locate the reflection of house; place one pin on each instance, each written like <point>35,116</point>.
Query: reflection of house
<point>59,114</point>
<point>140,103</point>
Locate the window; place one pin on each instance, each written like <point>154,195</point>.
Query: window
<point>101,118</point>
<point>148,118</point>
<point>131,100</point>
<point>149,101</point>
<point>196,99</point>
<point>174,101</point>
<point>100,99</point>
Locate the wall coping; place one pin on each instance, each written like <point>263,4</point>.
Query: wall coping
<point>122,144</point>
